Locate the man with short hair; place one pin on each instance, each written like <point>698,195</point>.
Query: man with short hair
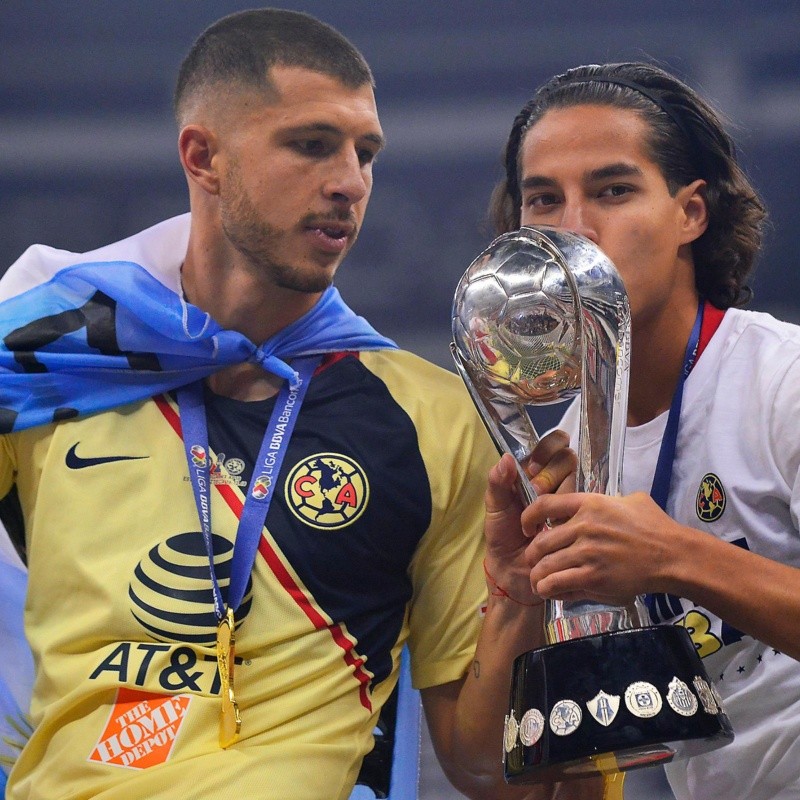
<point>237,500</point>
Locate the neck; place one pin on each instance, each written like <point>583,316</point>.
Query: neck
<point>657,357</point>
<point>246,382</point>
<point>237,298</point>
<point>240,300</point>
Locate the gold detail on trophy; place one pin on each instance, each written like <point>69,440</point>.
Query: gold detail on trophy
<point>531,727</point>
<point>643,699</point>
<point>565,718</point>
<point>706,695</point>
<point>680,698</point>
<point>613,779</point>
<point>604,707</point>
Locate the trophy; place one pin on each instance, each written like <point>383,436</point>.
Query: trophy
<point>539,317</point>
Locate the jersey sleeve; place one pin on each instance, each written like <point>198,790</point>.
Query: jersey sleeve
<point>784,444</point>
<point>449,589</point>
<point>447,574</point>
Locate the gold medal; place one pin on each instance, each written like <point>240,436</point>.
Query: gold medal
<point>230,722</point>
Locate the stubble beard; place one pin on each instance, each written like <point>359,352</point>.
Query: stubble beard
<point>258,241</point>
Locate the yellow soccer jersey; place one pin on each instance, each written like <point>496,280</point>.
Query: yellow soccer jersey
<point>374,538</point>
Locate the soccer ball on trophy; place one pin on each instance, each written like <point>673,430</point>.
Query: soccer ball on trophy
<point>526,334</point>
<point>516,318</point>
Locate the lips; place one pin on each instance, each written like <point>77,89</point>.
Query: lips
<point>335,233</point>
<point>331,236</point>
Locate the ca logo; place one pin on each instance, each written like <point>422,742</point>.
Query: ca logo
<point>711,499</point>
<point>327,491</point>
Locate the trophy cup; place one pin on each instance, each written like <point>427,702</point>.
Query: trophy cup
<point>539,317</point>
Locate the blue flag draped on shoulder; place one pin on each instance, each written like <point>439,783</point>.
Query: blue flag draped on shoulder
<point>100,335</point>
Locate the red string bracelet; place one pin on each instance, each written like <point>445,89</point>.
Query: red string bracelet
<point>499,591</point>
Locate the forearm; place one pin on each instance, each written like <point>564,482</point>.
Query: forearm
<point>473,757</point>
<point>610,549</point>
<point>477,736</point>
<point>468,716</point>
<point>509,629</point>
<point>758,596</point>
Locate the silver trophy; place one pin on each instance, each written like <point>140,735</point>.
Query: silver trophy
<point>539,317</point>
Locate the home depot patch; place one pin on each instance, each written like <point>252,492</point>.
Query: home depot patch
<point>141,729</point>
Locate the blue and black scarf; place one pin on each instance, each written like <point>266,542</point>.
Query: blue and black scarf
<point>99,335</point>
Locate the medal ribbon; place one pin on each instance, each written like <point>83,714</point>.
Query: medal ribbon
<point>251,521</point>
<point>706,322</point>
<point>260,490</point>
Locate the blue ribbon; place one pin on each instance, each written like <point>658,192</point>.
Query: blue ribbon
<point>662,478</point>
<point>265,473</point>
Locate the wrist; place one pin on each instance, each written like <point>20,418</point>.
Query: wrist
<point>515,591</point>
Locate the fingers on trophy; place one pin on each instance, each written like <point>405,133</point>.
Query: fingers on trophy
<point>539,317</point>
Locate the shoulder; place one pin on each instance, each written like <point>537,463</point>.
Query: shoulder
<point>764,349</point>
<point>761,328</point>
<point>434,398</point>
<point>160,249</point>
<point>430,394</point>
<point>756,374</point>
<point>408,373</point>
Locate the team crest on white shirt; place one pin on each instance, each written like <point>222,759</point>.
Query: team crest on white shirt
<point>711,499</point>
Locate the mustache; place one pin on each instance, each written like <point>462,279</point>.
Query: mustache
<point>347,218</point>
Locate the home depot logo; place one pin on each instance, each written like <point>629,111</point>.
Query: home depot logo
<point>141,729</point>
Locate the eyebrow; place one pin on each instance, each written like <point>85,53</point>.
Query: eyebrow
<point>323,127</point>
<point>620,169</point>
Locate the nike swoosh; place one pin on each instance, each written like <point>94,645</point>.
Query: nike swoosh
<point>74,461</point>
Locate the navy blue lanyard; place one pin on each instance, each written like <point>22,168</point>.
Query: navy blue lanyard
<point>666,455</point>
<point>260,490</point>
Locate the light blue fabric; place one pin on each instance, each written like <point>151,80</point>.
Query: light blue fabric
<point>103,334</point>
<point>405,769</point>
<point>16,666</point>
<point>404,782</point>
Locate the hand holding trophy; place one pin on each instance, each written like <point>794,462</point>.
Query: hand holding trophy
<point>539,317</point>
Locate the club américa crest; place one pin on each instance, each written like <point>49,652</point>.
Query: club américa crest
<point>711,499</point>
<point>327,491</point>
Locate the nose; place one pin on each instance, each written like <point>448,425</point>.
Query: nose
<point>577,218</point>
<point>349,180</point>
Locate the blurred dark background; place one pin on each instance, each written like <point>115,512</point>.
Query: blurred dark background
<point>87,142</point>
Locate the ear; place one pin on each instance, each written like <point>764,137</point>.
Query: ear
<point>694,217</point>
<point>197,146</point>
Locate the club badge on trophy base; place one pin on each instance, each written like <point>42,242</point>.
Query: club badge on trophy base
<point>539,317</point>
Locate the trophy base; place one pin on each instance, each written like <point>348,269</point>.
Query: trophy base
<point>608,703</point>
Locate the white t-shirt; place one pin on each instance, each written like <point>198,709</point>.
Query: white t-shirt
<point>736,475</point>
